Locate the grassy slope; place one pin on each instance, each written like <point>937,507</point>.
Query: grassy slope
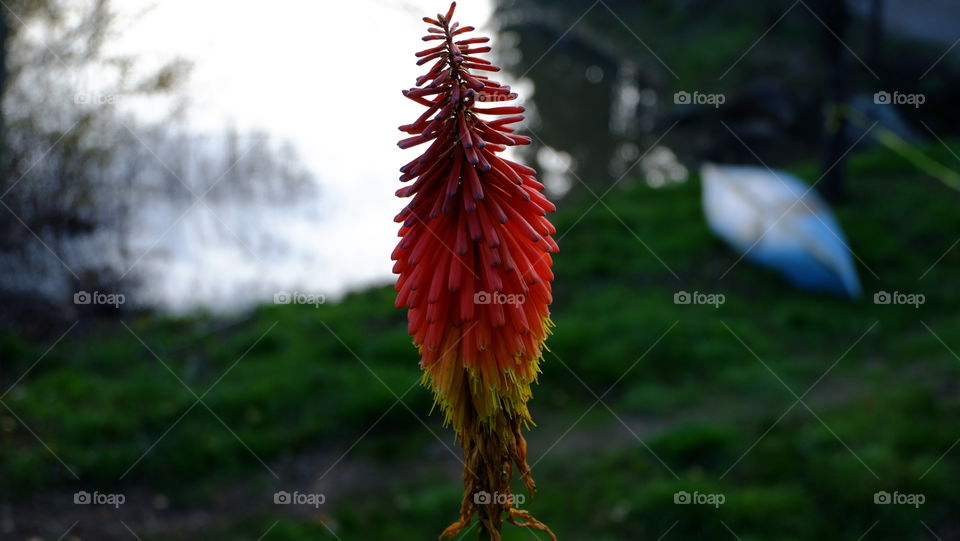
<point>102,401</point>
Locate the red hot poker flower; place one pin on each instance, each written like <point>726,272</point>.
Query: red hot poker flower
<point>474,264</point>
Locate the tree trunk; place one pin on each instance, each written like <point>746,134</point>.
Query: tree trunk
<point>836,16</point>
<point>876,35</point>
<point>4,33</point>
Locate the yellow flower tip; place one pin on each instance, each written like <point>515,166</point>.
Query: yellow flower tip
<point>484,388</point>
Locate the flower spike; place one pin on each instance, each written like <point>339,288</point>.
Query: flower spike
<point>474,268</point>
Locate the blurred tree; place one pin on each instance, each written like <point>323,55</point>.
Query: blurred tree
<point>875,34</point>
<point>4,32</point>
<point>62,145</point>
<point>81,169</point>
<point>835,17</point>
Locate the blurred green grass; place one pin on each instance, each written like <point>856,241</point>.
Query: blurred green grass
<point>700,399</point>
